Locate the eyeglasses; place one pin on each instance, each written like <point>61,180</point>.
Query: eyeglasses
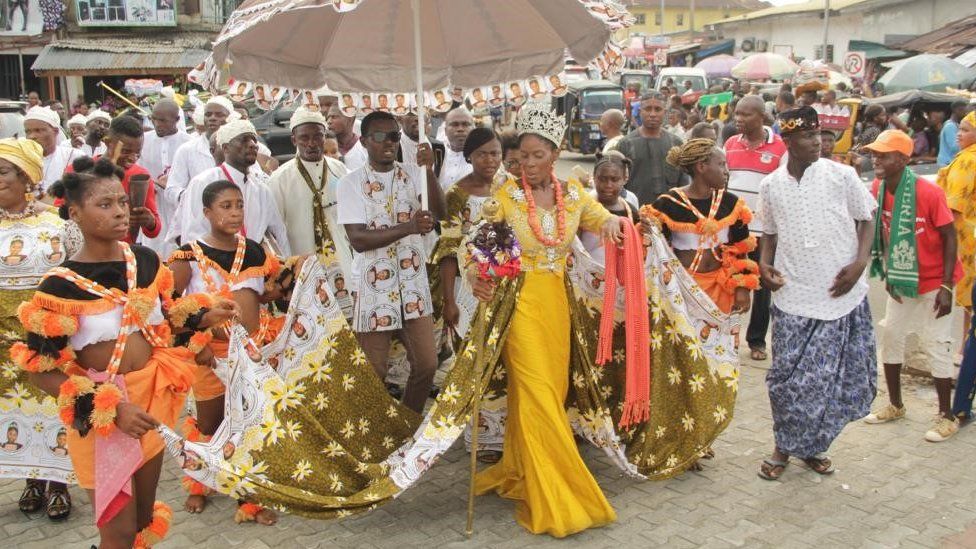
<point>379,137</point>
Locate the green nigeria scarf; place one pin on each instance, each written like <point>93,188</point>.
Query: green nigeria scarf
<point>899,266</point>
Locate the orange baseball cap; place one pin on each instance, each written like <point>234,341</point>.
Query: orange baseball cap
<point>892,141</point>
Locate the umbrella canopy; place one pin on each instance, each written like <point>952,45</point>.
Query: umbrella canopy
<point>718,66</point>
<point>760,66</point>
<point>925,72</point>
<point>368,45</point>
<point>635,48</point>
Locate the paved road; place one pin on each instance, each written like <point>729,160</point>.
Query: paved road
<point>891,489</point>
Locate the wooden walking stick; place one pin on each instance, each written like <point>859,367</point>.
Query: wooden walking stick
<point>475,410</point>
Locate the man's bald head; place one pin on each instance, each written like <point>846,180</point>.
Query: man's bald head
<point>611,121</point>
<point>165,117</point>
<point>459,124</point>
<point>750,115</point>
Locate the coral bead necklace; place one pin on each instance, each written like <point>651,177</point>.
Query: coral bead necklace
<point>533,217</point>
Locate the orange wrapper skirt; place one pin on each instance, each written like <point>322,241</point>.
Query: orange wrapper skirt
<point>714,283</point>
<point>160,389</point>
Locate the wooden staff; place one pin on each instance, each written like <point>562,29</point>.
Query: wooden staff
<point>475,411</point>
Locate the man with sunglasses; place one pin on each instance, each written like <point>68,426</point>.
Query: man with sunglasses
<point>380,208</point>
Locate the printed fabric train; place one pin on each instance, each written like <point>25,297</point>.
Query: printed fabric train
<point>310,430</point>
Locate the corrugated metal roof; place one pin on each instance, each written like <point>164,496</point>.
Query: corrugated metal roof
<point>953,39</point>
<point>116,58</point>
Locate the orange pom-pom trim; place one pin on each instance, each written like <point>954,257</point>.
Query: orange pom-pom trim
<point>40,320</point>
<point>246,512</point>
<point>31,361</point>
<point>186,306</point>
<point>107,399</point>
<point>158,528</point>
<point>68,393</point>
<point>194,488</point>
<point>198,341</point>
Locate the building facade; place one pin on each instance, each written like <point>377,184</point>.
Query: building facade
<point>797,30</point>
<point>679,17</point>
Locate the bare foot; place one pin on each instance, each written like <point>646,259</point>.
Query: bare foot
<point>266,517</point>
<point>195,504</point>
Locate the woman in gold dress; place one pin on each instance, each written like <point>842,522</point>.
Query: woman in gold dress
<point>540,467</point>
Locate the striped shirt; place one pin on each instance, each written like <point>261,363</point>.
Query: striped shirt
<point>748,166</point>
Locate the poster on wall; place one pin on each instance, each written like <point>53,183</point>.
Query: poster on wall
<point>126,13</point>
<point>21,18</point>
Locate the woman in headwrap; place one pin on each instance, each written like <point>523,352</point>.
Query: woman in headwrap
<point>958,180</point>
<point>35,226</point>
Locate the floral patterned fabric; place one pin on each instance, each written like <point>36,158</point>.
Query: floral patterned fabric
<point>320,437</point>
<point>824,376</point>
<point>33,441</point>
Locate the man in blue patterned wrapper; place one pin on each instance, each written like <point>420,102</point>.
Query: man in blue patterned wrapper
<point>818,227</point>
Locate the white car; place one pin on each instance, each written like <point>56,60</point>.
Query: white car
<point>698,78</point>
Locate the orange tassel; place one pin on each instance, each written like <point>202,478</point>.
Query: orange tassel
<point>157,529</point>
<point>246,512</point>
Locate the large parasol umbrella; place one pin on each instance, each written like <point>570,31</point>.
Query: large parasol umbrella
<point>416,46</point>
<point>762,66</point>
<point>635,48</point>
<point>924,72</point>
<point>718,66</point>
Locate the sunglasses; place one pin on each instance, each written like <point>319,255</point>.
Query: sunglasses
<point>379,137</point>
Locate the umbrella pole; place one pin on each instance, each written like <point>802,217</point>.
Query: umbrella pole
<point>421,107</point>
<point>475,413</point>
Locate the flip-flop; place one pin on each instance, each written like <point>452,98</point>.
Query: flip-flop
<point>758,354</point>
<point>773,465</point>
<point>820,464</point>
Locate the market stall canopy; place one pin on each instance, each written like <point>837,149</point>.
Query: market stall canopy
<point>925,72</point>
<point>874,50</point>
<point>116,57</point>
<point>307,43</point>
<point>718,65</point>
<point>913,97</point>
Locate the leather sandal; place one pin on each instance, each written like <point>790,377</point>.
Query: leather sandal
<point>32,497</point>
<point>58,504</point>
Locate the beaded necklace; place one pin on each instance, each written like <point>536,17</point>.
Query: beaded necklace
<point>118,297</point>
<point>533,218</point>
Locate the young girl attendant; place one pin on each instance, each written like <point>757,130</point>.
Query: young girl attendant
<point>234,267</point>
<point>609,176</point>
<point>98,338</point>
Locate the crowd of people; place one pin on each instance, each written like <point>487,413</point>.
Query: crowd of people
<point>129,252</point>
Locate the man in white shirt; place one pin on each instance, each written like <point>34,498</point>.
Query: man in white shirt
<point>458,124</point>
<point>43,125</point>
<point>96,128</point>
<point>76,130</point>
<point>611,126</point>
<point>238,141</point>
<point>158,151</point>
<point>380,207</point>
<point>193,157</point>
<point>410,124</point>
<point>818,227</point>
<point>352,150</point>
<point>305,192</point>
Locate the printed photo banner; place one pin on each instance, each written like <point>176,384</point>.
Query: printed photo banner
<point>34,442</point>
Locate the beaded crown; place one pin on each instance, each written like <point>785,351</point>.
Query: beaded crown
<point>536,118</point>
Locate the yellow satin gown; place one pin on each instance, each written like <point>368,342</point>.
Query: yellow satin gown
<point>541,467</point>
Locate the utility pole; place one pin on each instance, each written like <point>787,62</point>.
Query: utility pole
<point>662,18</point>
<point>826,28</point>
<point>691,20</point>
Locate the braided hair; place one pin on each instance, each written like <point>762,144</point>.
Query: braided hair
<point>613,158</point>
<point>692,152</point>
<point>71,188</point>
